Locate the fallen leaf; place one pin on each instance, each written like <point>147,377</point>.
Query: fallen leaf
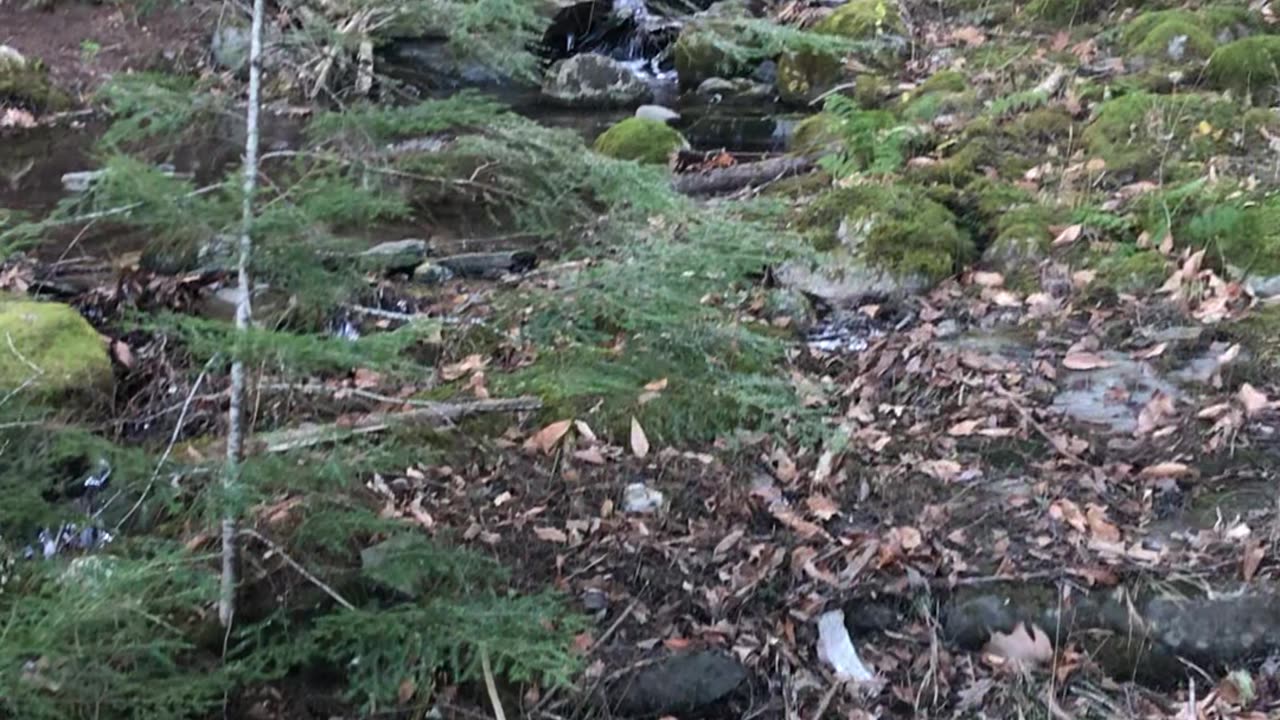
<point>969,35</point>
<point>123,354</point>
<point>1066,511</point>
<point>657,385</point>
<point>639,443</point>
<point>964,428</point>
<point>15,118</point>
<point>1099,526</point>
<point>822,507</point>
<point>1069,234</point>
<point>1253,554</point>
<point>468,364</point>
<point>550,534</point>
<point>1080,360</point>
<point>591,455</point>
<point>1026,645</point>
<point>944,470</point>
<point>988,279</point>
<point>1253,400</point>
<point>585,431</point>
<point>726,543</point>
<point>1165,470</point>
<point>1060,41</point>
<point>364,378</point>
<point>1154,351</point>
<point>546,439</point>
<point>785,515</point>
<point>407,690</point>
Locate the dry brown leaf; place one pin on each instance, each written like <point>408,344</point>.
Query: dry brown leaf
<point>585,431</point>
<point>726,543</point>
<point>1154,351</point>
<point>122,353</point>
<point>964,428</point>
<point>822,507</point>
<point>1213,412</point>
<point>1066,511</point>
<point>639,443</point>
<point>988,279</point>
<point>468,364</point>
<point>1026,645</point>
<point>364,378</point>
<point>1069,234</point>
<point>945,470</point>
<point>656,385</point>
<point>804,528</point>
<point>591,455</point>
<point>1165,470</point>
<point>546,439</point>
<point>1155,413</point>
<point>969,35</point>
<point>1060,41</point>
<point>1253,400</point>
<point>1081,360</point>
<point>1253,554</point>
<point>550,534</point>
<point>1099,526</point>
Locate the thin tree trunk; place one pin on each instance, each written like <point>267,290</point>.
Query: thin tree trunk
<point>235,419</point>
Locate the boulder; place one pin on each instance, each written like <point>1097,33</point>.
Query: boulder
<point>736,91</point>
<point>805,75</point>
<point>699,50</point>
<point>52,348</point>
<point>647,141</point>
<point>395,255</point>
<point>594,81</point>
<point>657,112</point>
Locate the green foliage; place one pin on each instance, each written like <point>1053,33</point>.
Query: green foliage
<point>1131,270</point>
<point>641,139</point>
<point>1017,102</point>
<point>109,636</point>
<point>872,140</point>
<point>51,349</point>
<point>25,82</point>
<point>1150,34</point>
<point>1064,12</point>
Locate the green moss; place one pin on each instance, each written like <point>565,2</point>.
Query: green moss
<point>1132,271</point>
<point>963,166</point>
<point>25,82</point>
<point>1150,34</point>
<point>648,141</point>
<point>925,107</point>
<point>1065,12</point>
<point>944,81</point>
<point>895,228</point>
<point>1044,125</point>
<point>1248,66</point>
<point>699,54</point>
<point>863,19</point>
<point>803,75</point>
<point>1242,235</point>
<point>68,352</point>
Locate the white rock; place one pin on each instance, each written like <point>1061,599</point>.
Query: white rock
<point>836,648</point>
<point>642,499</point>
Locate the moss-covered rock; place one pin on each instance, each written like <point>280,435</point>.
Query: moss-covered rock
<point>944,81</point>
<point>60,352</point>
<point>1131,271</point>
<point>930,105</point>
<point>895,228</point>
<point>1140,133</point>
<point>647,141</point>
<point>1172,35</point>
<point>1044,125</point>
<point>1065,12</point>
<point>1250,67</point>
<point>1021,239</point>
<point>802,75</point>
<point>25,82</point>
<point>815,134</point>
<point>701,53</point>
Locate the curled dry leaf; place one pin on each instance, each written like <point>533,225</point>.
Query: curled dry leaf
<point>657,385</point>
<point>945,470</point>
<point>822,507</point>
<point>639,442</point>
<point>1165,470</point>
<point>468,364</point>
<point>964,428</point>
<point>550,534</point>
<point>1254,400</point>
<point>546,439</point>
<point>1069,234</point>
<point>1081,360</point>
<point>1025,645</point>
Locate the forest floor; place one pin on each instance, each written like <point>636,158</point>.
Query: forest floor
<point>1006,461</point>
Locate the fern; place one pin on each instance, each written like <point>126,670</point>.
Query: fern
<point>872,140</point>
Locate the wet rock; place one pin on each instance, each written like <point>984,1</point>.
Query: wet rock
<point>429,273</point>
<point>57,351</point>
<point>640,499</point>
<point>737,91</point>
<point>594,81</point>
<point>679,684</point>
<point>396,255</point>
<point>1111,397</point>
<point>698,51</point>
<point>1266,287</point>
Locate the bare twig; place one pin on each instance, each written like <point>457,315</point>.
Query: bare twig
<point>1057,443</point>
<point>298,567</point>
<point>490,685</point>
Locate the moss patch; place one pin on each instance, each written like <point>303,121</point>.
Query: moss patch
<point>815,134</point>
<point>1248,66</point>
<point>1131,271</point>
<point>1152,34</point>
<point>1139,133</point>
<point>25,82</point>
<point>804,74</point>
<point>895,228</point>
<point>862,19</point>
<point>69,353</point>
<point>647,141</point>
<point>1065,12</point>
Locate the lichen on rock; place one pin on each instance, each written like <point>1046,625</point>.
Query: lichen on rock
<point>594,81</point>
<point>647,141</point>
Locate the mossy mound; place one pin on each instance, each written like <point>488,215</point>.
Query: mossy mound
<point>815,134</point>
<point>1244,235</point>
<point>1022,237</point>
<point>1045,125</point>
<point>60,352</point>
<point>1141,133</point>
<point>944,81</point>
<point>802,75</point>
<point>25,82</point>
<point>699,54</point>
<point>641,139</point>
<point>896,228</point>
<point>1150,33</point>
<point>1250,67</point>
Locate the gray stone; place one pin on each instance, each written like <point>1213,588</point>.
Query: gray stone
<point>679,684</point>
<point>395,255</point>
<point>594,81</point>
<point>1090,397</point>
<point>429,273</point>
<point>1266,287</point>
<point>733,91</point>
<point>641,499</point>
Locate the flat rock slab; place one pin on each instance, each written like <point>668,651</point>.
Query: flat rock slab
<point>681,683</point>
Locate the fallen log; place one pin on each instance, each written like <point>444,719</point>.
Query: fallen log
<point>736,177</point>
<point>436,413</point>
